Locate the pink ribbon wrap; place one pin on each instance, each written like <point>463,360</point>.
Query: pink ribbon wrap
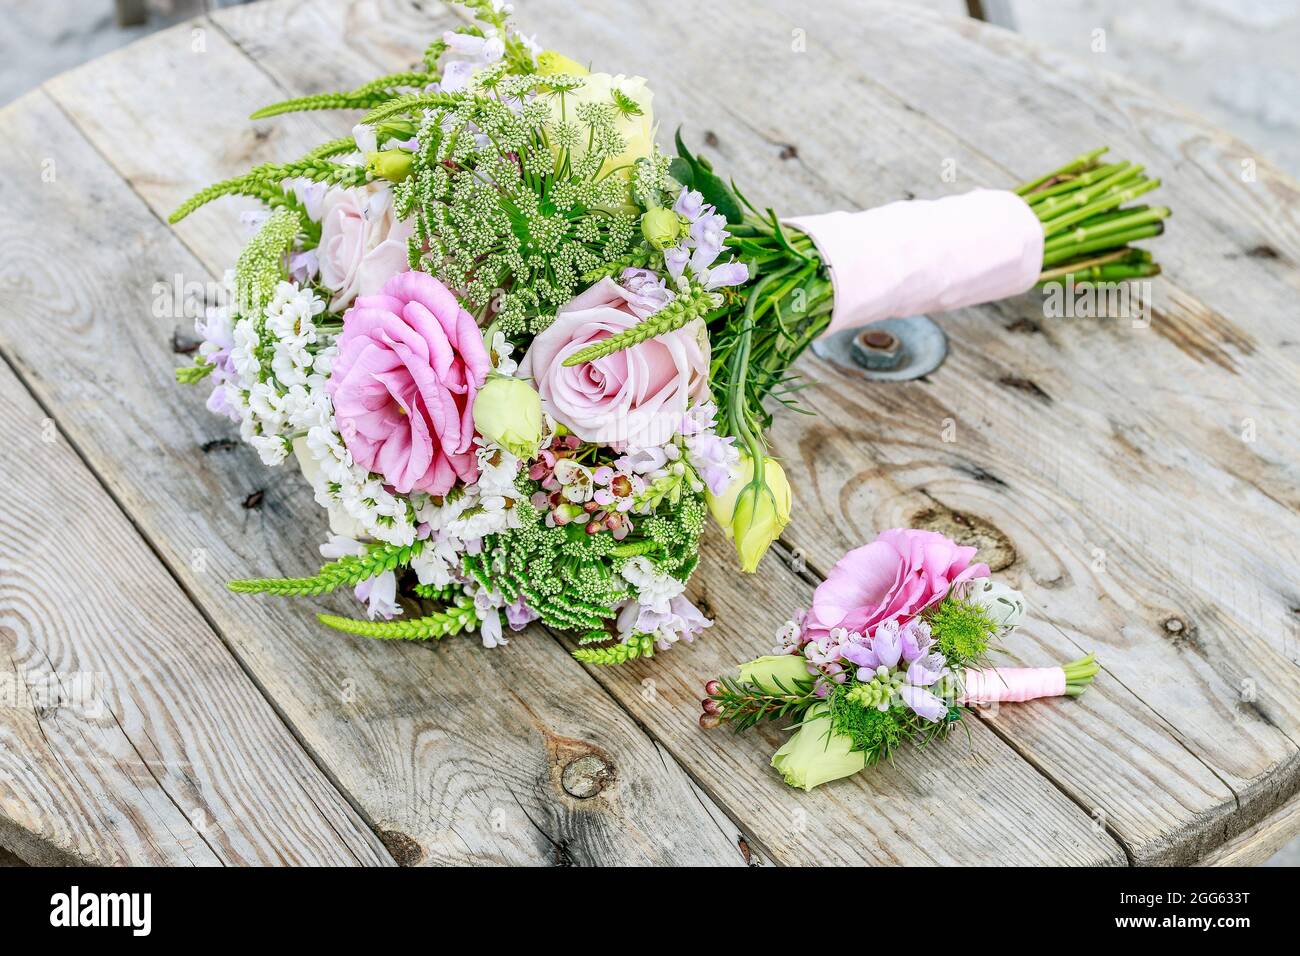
<point>917,256</point>
<point>1008,684</point>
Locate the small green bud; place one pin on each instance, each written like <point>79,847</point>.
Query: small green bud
<point>508,411</point>
<point>391,164</point>
<point>753,516</point>
<point>661,227</point>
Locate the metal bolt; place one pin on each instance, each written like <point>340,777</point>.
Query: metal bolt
<point>877,349</point>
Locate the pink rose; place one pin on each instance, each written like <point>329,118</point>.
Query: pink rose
<point>362,242</point>
<point>409,365</point>
<point>631,399</point>
<point>895,577</point>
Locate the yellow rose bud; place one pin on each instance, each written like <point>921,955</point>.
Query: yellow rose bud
<point>661,227</point>
<point>753,516</point>
<point>550,62</point>
<point>391,164</point>
<point>816,754</point>
<point>508,411</point>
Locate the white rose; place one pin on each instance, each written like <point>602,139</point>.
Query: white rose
<point>638,131</point>
<point>362,243</point>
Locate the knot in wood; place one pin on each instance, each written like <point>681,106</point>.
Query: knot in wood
<point>585,776</point>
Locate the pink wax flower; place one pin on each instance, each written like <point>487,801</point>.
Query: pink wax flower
<point>632,399</point>
<point>893,578</point>
<point>409,365</point>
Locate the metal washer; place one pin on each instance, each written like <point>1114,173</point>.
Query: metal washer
<point>922,347</point>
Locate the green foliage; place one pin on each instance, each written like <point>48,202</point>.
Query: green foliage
<point>517,222</point>
<point>453,620</point>
<point>855,712</point>
<point>675,534</point>
<point>697,173</point>
<point>261,264</point>
<point>638,645</point>
<point>875,732</point>
<point>569,577</point>
<point>743,704</point>
<point>429,592</point>
<point>190,374</point>
<point>364,99</point>
<point>345,572</point>
<point>263,182</point>
<point>685,308</point>
<point>961,630</point>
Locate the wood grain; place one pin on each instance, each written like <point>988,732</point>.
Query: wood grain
<point>128,733</point>
<point>961,828</point>
<point>1261,842</point>
<point>1104,463</point>
<point>1166,752</point>
<point>451,754</point>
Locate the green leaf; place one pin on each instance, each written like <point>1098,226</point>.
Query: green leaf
<point>707,183</point>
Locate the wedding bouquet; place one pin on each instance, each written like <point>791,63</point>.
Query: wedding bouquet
<point>892,647</point>
<point>521,354</point>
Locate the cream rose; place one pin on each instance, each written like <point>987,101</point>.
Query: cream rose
<point>362,243</point>
<point>632,399</point>
<point>638,131</point>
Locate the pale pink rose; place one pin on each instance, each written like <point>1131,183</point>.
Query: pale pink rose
<point>410,362</point>
<point>632,399</point>
<point>895,577</point>
<point>362,243</point>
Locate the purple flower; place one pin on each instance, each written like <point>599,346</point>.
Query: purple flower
<point>682,621</point>
<point>689,204</point>
<point>675,259</point>
<point>924,703</point>
<point>858,649</point>
<point>380,595</point>
<point>218,341</point>
<point>649,294</point>
<point>729,273</point>
<point>927,670</point>
<point>916,639</point>
<point>888,644</point>
<point>303,266</point>
<point>707,235</point>
<point>520,615</point>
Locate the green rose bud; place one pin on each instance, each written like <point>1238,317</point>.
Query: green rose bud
<point>777,674</point>
<point>753,515</point>
<point>395,129</point>
<point>391,164</point>
<point>508,411</point>
<point>816,754</point>
<point>661,227</point>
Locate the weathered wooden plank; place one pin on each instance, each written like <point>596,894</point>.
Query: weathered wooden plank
<point>128,733</point>
<point>1262,841</point>
<point>452,754</point>
<point>876,456</point>
<point>964,829</point>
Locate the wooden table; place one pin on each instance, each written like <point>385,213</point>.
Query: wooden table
<point>1139,484</point>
